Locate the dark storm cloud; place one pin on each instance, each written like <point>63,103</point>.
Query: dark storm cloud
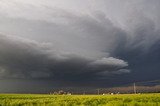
<point>105,42</point>
<point>21,58</point>
<point>142,47</point>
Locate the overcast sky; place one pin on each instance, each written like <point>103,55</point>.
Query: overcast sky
<point>84,43</point>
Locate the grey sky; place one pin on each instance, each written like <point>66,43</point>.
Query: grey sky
<point>78,41</point>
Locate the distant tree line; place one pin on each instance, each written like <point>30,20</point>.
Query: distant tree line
<point>113,90</point>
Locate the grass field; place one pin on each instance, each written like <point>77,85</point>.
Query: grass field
<point>79,100</point>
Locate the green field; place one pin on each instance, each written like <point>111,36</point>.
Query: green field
<point>80,100</point>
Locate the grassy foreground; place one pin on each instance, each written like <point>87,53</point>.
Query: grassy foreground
<point>79,100</point>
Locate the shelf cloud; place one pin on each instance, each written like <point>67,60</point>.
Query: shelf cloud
<point>23,58</point>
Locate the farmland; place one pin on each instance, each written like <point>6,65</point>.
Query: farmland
<point>80,100</point>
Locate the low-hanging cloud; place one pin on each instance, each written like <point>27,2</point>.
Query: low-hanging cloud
<point>22,58</point>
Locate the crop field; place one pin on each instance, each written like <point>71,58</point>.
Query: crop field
<point>80,100</point>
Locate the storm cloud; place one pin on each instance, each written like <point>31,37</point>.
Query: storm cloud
<point>22,58</point>
<point>97,42</point>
